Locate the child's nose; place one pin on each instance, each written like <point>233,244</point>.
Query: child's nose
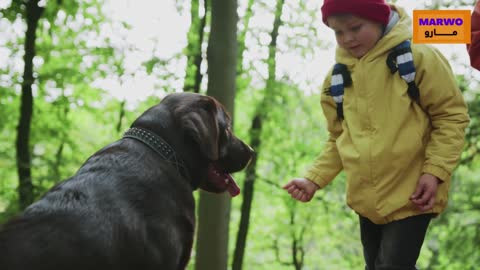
<point>348,37</point>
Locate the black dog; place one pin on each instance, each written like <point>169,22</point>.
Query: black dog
<point>130,206</point>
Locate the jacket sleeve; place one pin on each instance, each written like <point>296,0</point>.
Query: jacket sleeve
<point>443,102</point>
<point>328,164</point>
<point>474,46</point>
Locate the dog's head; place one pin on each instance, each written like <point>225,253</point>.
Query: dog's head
<point>208,125</point>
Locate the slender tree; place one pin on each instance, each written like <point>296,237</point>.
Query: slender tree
<point>193,75</point>
<point>64,109</point>
<point>297,250</point>
<point>241,37</point>
<point>255,133</point>
<point>121,115</point>
<point>214,210</point>
<point>33,13</point>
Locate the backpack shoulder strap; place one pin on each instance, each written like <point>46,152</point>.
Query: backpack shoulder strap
<point>401,59</point>
<point>340,79</point>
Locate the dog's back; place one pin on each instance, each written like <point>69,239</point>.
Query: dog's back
<point>102,219</point>
<point>46,242</point>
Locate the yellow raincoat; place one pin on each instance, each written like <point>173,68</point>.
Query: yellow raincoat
<point>387,141</point>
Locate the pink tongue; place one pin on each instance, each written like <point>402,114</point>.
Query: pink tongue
<point>232,187</point>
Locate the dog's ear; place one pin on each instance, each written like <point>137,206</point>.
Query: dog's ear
<point>199,121</point>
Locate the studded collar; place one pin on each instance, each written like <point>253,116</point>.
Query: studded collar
<point>157,144</point>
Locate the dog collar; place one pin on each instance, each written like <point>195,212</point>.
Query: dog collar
<point>157,144</point>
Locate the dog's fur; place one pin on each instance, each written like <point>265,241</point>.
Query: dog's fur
<point>127,207</point>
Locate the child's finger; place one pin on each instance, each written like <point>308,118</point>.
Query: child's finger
<point>418,192</point>
<point>288,185</point>
<point>424,197</point>
<point>292,189</point>
<point>428,205</point>
<point>295,193</point>
<point>301,195</point>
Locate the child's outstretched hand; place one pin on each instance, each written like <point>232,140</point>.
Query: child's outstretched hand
<point>424,196</point>
<point>301,189</point>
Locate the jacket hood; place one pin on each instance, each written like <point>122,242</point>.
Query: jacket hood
<point>399,33</point>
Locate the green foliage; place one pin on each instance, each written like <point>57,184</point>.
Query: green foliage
<point>15,10</point>
<point>65,67</point>
<point>472,146</point>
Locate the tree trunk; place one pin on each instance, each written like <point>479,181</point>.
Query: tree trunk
<point>193,75</point>
<point>62,135</point>
<point>214,210</point>
<point>248,189</point>
<point>58,162</point>
<point>121,115</point>
<point>255,134</point>
<point>298,252</point>
<point>242,35</point>
<point>25,185</point>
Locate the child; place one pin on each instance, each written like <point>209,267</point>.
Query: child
<point>398,150</point>
<point>474,47</point>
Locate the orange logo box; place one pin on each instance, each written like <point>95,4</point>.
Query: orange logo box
<point>441,26</point>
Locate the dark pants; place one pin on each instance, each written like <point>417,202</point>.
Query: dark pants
<point>393,246</point>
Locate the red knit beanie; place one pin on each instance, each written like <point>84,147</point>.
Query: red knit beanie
<point>374,10</point>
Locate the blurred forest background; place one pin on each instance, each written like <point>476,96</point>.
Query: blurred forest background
<point>64,65</point>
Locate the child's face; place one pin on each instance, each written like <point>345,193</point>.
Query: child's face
<point>355,34</point>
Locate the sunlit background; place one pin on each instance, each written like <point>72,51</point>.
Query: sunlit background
<point>159,29</point>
